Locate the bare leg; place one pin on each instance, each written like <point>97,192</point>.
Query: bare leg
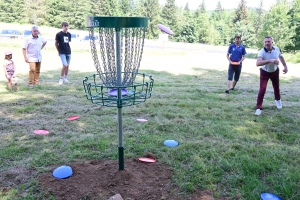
<point>9,85</point>
<point>234,84</point>
<point>228,85</point>
<point>16,87</point>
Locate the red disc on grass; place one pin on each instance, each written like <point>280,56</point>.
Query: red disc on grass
<point>148,160</point>
<point>73,117</point>
<point>41,132</point>
<point>142,120</point>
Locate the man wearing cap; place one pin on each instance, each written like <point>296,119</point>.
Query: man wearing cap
<point>235,55</point>
<point>32,48</point>
<point>267,60</point>
<point>62,44</point>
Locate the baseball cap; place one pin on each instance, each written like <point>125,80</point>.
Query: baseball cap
<point>237,35</point>
<point>7,53</point>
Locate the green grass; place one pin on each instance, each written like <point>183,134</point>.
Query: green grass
<point>223,147</point>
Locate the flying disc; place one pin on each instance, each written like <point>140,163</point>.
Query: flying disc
<point>73,117</point>
<point>269,196</point>
<point>235,63</point>
<point>165,29</point>
<point>114,92</point>
<point>171,143</point>
<point>41,132</point>
<point>63,172</point>
<point>142,120</point>
<point>148,160</point>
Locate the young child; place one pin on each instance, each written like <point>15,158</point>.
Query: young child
<point>9,70</point>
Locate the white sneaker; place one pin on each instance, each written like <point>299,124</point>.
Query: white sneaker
<point>278,104</point>
<point>61,81</point>
<point>66,80</point>
<point>258,112</point>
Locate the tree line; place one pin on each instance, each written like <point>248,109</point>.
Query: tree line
<point>216,27</point>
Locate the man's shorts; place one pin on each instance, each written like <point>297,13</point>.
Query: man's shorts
<point>65,59</point>
<point>234,70</point>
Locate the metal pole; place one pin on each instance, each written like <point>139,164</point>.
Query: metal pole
<point>119,82</point>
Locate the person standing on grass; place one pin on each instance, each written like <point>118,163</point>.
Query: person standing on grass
<point>9,70</point>
<point>62,44</point>
<point>235,55</point>
<point>32,48</point>
<point>267,59</point>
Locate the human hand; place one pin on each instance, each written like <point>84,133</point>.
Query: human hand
<point>26,60</point>
<point>285,70</point>
<point>275,61</point>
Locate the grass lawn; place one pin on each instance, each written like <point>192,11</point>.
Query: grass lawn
<point>224,147</point>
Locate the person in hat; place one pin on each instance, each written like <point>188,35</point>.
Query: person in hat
<point>268,60</point>
<point>62,44</point>
<point>9,70</point>
<point>235,55</point>
<point>32,52</point>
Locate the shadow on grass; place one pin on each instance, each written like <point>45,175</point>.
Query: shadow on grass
<point>223,145</point>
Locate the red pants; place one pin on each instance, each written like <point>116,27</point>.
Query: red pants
<point>264,78</point>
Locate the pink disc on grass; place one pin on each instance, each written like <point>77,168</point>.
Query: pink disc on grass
<point>41,132</point>
<point>165,29</point>
<point>73,117</point>
<point>142,120</point>
<point>148,160</point>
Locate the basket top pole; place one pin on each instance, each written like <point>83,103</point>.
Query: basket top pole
<point>116,22</point>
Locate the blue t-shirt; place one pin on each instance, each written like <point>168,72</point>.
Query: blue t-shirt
<point>236,52</point>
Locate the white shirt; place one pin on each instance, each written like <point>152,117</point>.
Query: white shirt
<point>33,48</point>
<point>266,55</point>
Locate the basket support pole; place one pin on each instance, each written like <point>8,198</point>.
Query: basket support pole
<point>119,82</point>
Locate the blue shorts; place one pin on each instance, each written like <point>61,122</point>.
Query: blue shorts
<point>236,70</point>
<point>65,59</point>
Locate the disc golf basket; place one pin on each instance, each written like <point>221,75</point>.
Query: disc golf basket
<point>117,82</point>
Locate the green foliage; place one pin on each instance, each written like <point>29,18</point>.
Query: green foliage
<point>151,9</point>
<point>276,25</point>
<point>11,11</point>
<point>169,16</point>
<point>294,14</point>
<point>242,14</point>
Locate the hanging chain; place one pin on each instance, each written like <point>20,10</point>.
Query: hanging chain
<point>131,54</point>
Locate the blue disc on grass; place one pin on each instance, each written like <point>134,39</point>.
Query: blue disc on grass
<point>62,172</point>
<point>171,143</point>
<point>269,196</point>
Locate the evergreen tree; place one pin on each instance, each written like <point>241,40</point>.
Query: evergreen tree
<point>169,16</point>
<point>294,14</point>
<point>242,13</point>
<point>56,12</point>
<point>77,13</point>
<point>201,9</point>
<point>151,10</point>
<point>126,7</point>
<point>276,24</point>
<point>104,8</point>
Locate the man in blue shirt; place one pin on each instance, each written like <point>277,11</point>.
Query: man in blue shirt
<point>235,55</point>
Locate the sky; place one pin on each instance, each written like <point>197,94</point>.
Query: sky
<point>227,4</point>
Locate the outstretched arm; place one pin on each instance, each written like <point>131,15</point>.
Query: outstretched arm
<point>285,70</point>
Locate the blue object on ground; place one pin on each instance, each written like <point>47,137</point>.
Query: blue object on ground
<point>63,172</point>
<point>269,196</point>
<point>171,143</point>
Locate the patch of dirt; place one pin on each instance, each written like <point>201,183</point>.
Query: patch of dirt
<point>102,179</point>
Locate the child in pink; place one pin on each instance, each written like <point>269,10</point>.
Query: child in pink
<point>9,70</point>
